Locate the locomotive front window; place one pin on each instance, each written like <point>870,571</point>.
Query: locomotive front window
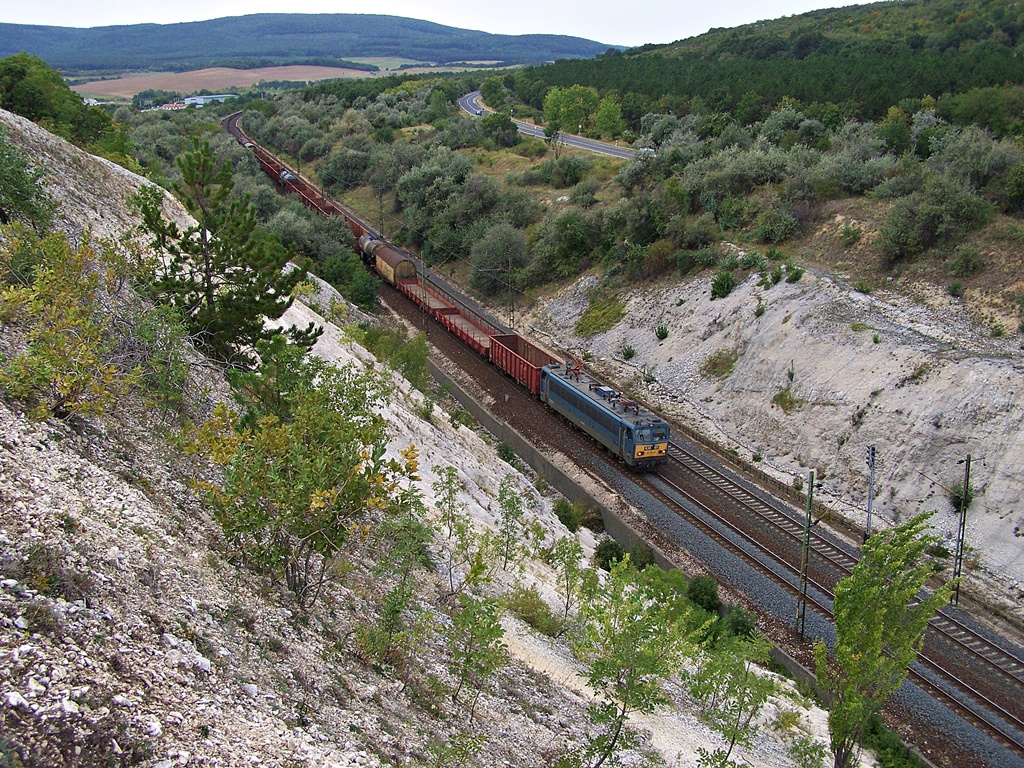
<point>643,435</point>
<point>660,433</point>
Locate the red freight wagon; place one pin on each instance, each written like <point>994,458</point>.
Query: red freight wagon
<point>468,331</point>
<point>520,359</point>
<point>425,298</point>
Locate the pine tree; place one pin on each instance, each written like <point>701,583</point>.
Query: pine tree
<point>222,273</point>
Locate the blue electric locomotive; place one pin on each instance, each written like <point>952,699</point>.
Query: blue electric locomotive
<point>623,426</point>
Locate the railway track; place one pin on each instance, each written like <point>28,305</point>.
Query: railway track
<point>1001,718</point>
<point>786,524</point>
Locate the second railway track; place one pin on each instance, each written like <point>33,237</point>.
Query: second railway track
<point>955,661</point>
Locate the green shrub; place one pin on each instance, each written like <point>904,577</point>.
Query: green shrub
<point>942,212</point>
<point>590,518</point>
<point>641,556</point>
<point>460,416</point>
<point>774,226</point>
<point>776,275</point>
<point>400,353</point>
<point>760,309</point>
<point>507,453</point>
<point>738,621</point>
<point>661,332</point>
<point>966,261</point>
<point>702,591</point>
<point>887,746</point>
<point>569,514</point>
<point>584,194</point>
<point>527,604</point>
<point>607,553</point>
<point>722,285</point>
<point>956,290</point>
<point>862,287</point>
<point>729,262</point>
<point>628,351</point>
<point>531,148</point>
<point>793,274</point>
<point>67,364</point>
<point>694,234</point>
<point>850,235</point>
<point>752,260</point>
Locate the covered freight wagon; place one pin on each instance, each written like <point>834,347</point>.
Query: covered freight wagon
<point>391,264</point>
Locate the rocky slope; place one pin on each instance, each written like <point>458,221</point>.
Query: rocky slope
<point>130,636</point>
<point>906,370</point>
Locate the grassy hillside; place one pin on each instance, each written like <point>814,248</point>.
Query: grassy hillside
<point>266,39</point>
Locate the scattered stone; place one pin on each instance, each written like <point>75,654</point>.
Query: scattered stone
<point>154,728</point>
<point>15,700</point>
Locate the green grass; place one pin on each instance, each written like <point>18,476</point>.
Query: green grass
<point>787,401</point>
<point>600,316</point>
<point>720,364</point>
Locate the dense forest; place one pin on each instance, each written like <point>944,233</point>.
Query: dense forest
<point>275,39</point>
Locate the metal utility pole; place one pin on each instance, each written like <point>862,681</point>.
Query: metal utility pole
<point>511,296</point>
<point>871,491</point>
<point>958,562</point>
<point>805,556</point>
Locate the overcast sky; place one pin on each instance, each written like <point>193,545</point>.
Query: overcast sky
<point>616,22</point>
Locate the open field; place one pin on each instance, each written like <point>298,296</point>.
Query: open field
<point>384,62</point>
<point>217,79</point>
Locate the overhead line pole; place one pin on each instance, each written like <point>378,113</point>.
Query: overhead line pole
<point>958,562</point>
<point>805,556</point>
<point>871,491</point>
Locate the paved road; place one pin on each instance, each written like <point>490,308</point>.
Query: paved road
<point>471,104</point>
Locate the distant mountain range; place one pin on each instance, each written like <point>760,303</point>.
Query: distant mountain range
<point>279,38</point>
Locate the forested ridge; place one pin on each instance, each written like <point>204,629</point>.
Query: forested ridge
<point>857,61</point>
<point>278,38</point>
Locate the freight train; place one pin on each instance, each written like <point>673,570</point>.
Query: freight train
<point>624,427</point>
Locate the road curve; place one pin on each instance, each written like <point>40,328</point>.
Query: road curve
<point>472,105</point>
